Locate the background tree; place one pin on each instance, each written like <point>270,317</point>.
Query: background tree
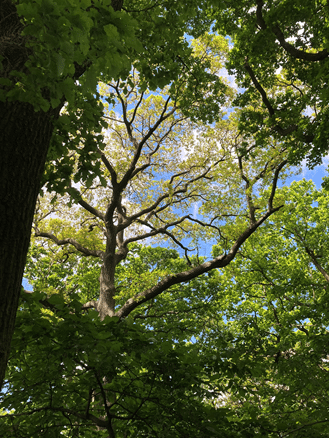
<point>40,71</point>
<point>273,298</point>
<point>152,172</point>
<point>280,58</point>
<point>56,43</point>
<point>155,166</point>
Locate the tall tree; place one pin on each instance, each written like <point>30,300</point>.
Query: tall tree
<point>52,52</point>
<point>155,168</point>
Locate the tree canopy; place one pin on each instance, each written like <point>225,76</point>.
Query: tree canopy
<point>179,285</point>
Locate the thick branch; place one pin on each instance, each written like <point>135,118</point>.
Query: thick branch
<point>296,53</point>
<point>185,276</point>
<point>109,167</point>
<point>91,209</point>
<point>248,192</point>
<point>282,131</point>
<point>289,48</point>
<point>84,250</point>
<point>258,86</point>
<point>84,203</point>
<point>272,194</point>
<point>90,304</point>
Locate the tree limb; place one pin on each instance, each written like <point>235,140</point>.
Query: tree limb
<point>185,276</point>
<point>289,48</point>
<point>84,250</point>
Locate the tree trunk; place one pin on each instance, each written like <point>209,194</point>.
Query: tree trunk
<point>24,139</point>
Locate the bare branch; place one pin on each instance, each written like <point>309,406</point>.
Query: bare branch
<point>84,250</point>
<point>205,224</point>
<point>128,174</point>
<point>157,231</point>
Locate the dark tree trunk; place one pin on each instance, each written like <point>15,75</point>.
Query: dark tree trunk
<point>24,139</point>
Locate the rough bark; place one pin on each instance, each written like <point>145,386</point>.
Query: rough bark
<point>24,140</point>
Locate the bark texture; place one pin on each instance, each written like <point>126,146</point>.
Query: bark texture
<point>24,140</point>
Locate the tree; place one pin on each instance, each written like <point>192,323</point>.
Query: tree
<point>149,176</point>
<point>273,346</point>
<point>54,52</point>
<point>280,58</point>
<point>143,183</point>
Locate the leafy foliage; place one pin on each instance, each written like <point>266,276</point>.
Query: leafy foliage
<point>220,355</point>
<point>134,327</point>
<point>280,58</point>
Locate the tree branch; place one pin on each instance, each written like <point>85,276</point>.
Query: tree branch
<point>185,276</point>
<point>272,194</point>
<point>312,255</point>
<point>296,53</point>
<point>258,86</point>
<point>155,231</point>
<point>289,48</point>
<point>282,131</point>
<point>84,203</point>
<point>99,422</point>
<point>90,304</point>
<point>109,167</point>
<point>306,425</point>
<point>84,250</point>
